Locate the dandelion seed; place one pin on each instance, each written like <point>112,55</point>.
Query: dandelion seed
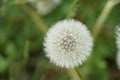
<point>68,43</point>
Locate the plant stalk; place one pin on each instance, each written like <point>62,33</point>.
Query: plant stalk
<point>36,19</point>
<point>99,23</point>
<point>75,74</point>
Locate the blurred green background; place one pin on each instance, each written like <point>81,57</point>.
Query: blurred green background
<point>21,44</point>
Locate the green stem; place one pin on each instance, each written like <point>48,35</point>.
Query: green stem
<point>74,74</point>
<point>99,23</point>
<point>73,10</point>
<point>77,70</point>
<point>26,51</point>
<point>37,20</point>
<point>36,72</point>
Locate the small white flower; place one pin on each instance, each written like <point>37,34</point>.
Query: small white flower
<point>118,46</point>
<point>44,7</point>
<point>68,43</point>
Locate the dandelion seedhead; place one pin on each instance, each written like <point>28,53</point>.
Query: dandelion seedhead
<point>68,43</point>
<point>44,7</point>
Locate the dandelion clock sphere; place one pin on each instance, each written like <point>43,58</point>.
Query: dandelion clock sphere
<point>68,43</point>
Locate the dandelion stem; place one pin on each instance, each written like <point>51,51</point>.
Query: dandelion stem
<point>37,20</point>
<point>73,9</point>
<point>26,51</point>
<point>77,70</point>
<point>75,74</point>
<point>99,23</point>
<point>36,72</point>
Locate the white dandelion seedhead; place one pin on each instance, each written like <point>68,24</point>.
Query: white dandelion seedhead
<point>44,7</point>
<point>118,46</point>
<point>68,43</point>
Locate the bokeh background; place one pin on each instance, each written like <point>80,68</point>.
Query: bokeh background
<point>21,43</point>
